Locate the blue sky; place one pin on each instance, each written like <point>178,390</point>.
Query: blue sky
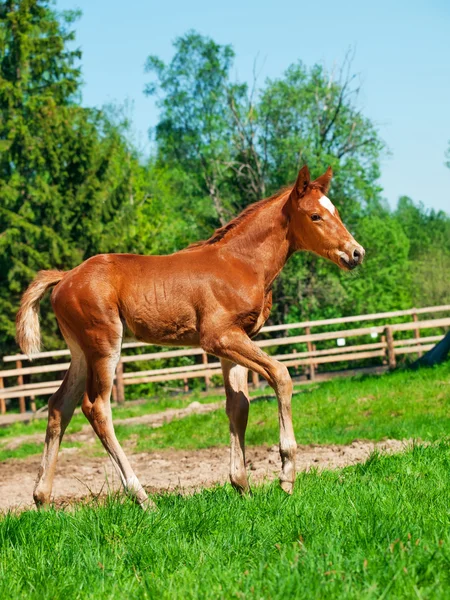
<point>402,53</point>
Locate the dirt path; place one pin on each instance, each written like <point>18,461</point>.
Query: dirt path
<point>78,475</point>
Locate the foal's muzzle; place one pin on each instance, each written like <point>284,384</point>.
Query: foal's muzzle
<point>352,258</point>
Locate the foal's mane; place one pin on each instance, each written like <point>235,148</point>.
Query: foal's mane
<point>250,211</point>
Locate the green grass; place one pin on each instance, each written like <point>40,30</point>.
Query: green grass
<point>120,412</point>
<point>399,405</point>
<point>379,530</point>
<point>38,426</point>
<point>30,448</point>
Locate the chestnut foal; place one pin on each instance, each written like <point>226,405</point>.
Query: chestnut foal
<point>215,294</point>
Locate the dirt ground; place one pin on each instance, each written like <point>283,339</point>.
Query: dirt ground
<point>79,475</point>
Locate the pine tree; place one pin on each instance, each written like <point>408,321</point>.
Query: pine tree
<point>66,172</point>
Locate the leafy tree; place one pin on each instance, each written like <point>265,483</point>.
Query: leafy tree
<point>311,116</point>
<point>428,232</point>
<point>66,172</point>
<point>165,220</point>
<point>384,279</point>
<point>429,278</point>
<point>251,142</point>
<point>193,133</point>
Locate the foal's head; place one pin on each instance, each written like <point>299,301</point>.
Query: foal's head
<point>316,224</point>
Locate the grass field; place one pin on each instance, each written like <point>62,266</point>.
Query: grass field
<point>398,406</point>
<point>401,405</point>
<point>379,530</point>
<point>124,411</point>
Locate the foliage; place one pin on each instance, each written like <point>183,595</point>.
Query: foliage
<point>310,117</point>
<point>67,177</point>
<point>429,255</point>
<point>384,280</point>
<point>73,184</point>
<point>193,130</point>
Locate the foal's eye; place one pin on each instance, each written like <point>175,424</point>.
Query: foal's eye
<point>316,218</point>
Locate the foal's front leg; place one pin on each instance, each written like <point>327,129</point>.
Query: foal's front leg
<point>236,346</point>
<point>235,380</point>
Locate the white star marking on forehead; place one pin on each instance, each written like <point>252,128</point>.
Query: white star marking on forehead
<point>326,203</point>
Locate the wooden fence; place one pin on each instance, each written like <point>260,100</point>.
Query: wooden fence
<point>385,350</point>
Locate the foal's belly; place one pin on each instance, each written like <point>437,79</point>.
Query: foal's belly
<point>167,337</point>
<point>164,325</point>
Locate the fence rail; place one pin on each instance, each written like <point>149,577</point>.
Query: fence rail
<point>386,350</point>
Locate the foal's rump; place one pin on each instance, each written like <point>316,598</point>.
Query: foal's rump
<point>82,298</point>
<point>151,295</point>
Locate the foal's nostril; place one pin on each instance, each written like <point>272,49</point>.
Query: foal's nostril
<point>357,255</point>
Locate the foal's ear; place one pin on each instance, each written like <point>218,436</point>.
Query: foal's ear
<point>324,180</point>
<point>303,179</point>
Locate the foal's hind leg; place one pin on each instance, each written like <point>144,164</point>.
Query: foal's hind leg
<point>97,408</point>
<point>235,379</point>
<point>60,410</point>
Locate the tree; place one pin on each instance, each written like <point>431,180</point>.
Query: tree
<point>237,145</point>
<point>249,165</point>
<point>384,281</point>
<point>428,233</point>
<point>193,132</point>
<point>310,116</point>
<point>66,172</point>
<point>164,219</point>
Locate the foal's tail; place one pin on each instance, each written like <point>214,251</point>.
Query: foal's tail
<point>28,334</point>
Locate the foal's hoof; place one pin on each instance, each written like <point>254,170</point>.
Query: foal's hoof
<point>241,486</point>
<point>41,500</point>
<point>287,486</point>
<point>141,499</point>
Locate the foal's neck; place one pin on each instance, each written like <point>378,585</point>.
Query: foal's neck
<point>262,240</point>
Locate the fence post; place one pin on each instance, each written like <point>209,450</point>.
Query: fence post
<point>390,347</point>
<point>22,406</point>
<point>255,380</point>
<point>417,331</point>
<point>311,348</point>
<point>2,400</point>
<point>384,359</point>
<point>114,393</point>
<point>205,362</point>
<point>294,351</point>
<point>119,383</point>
